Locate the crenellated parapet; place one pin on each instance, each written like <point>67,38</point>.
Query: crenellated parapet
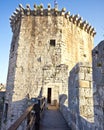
<point>40,11</point>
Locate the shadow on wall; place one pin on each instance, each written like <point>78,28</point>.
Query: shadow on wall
<point>80,112</point>
<point>12,70</point>
<point>16,109</point>
<point>98,85</point>
<point>62,99</point>
<point>12,113</point>
<point>41,92</point>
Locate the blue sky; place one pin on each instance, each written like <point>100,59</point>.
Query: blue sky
<point>90,10</point>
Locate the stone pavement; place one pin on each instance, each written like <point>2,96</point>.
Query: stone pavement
<point>53,120</point>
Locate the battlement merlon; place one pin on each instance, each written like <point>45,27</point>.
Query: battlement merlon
<point>40,11</point>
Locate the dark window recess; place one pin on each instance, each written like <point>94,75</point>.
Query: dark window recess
<point>49,95</point>
<point>52,42</point>
<point>96,52</point>
<point>5,111</point>
<point>39,59</point>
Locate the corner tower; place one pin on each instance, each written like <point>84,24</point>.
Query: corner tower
<point>46,44</point>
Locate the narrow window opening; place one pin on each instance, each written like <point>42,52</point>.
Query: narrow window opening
<point>96,52</point>
<point>49,95</point>
<point>6,111</point>
<point>52,42</point>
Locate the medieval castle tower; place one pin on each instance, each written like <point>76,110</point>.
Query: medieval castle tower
<point>46,45</point>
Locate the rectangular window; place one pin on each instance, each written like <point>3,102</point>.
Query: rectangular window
<point>52,42</point>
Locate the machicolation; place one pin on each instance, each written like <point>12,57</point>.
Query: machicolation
<point>40,11</point>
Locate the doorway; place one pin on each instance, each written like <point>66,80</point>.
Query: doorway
<point>49,95</point>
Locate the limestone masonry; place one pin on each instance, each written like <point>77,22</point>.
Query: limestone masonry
<point>46,45</point>
<point>79,113</point>
<point>98,87</point>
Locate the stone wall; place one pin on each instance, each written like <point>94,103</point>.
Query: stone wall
<point>55,78</point>
<point>76,46</point>
<point>44,43</point>
<point>80,108</point>
<point>10,89</point>
<point>98,86</point>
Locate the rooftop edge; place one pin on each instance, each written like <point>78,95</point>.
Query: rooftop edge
<point>40,11</point>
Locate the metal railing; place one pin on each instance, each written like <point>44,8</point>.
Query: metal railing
<point>31,116</point>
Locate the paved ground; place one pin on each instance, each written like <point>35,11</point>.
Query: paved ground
<point>53,120</point>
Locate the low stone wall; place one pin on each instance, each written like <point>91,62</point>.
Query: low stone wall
<point>80,114</point>
<point>98,77</point>
<point>66,113</point>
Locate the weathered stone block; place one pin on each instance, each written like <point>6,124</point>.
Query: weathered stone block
<point>81,76</point>
<point>88,77</point>
<point>86,92</point>
<point>84,84</point>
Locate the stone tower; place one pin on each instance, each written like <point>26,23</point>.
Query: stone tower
<point>46,45</point>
